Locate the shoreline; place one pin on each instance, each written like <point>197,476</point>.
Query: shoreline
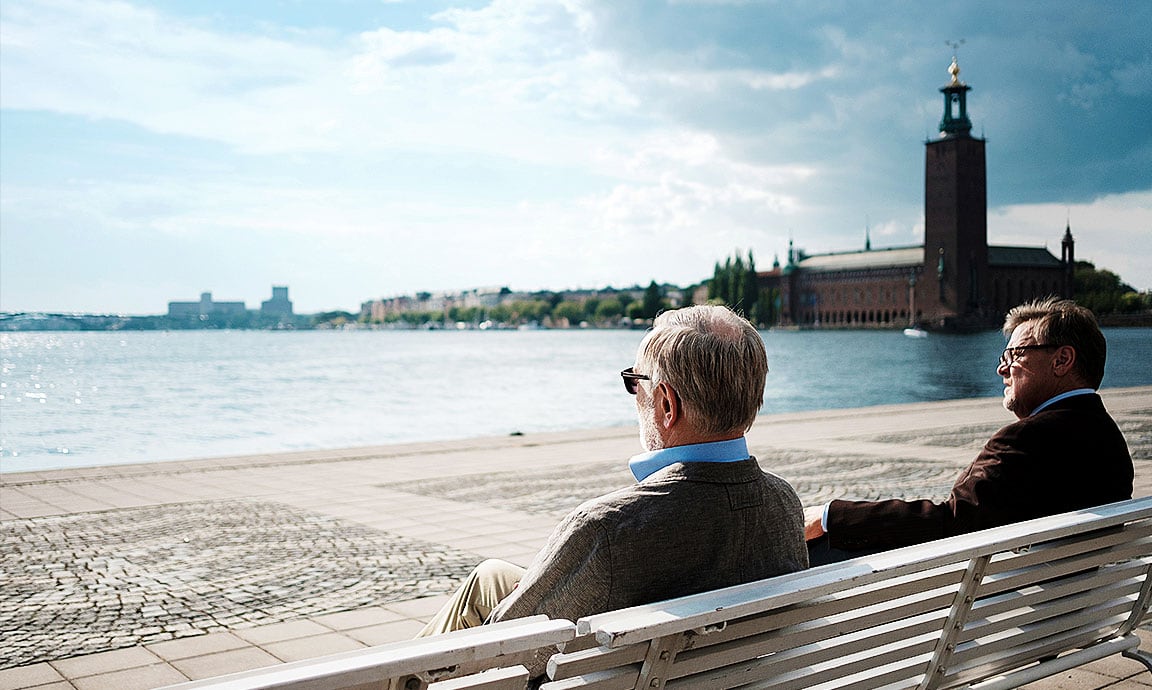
<point>467,444</point>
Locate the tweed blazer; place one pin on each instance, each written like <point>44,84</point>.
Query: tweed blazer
<point>1068,456</point>
<point>687,528</point>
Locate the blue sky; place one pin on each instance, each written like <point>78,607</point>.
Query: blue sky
<point>353,149</point>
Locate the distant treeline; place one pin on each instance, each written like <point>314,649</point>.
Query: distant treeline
<point>550,310</point>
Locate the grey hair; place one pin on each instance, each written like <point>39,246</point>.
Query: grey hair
<point>1063,322</point>
<point>714,360</point>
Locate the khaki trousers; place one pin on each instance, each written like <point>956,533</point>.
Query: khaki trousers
<point>469,607</point>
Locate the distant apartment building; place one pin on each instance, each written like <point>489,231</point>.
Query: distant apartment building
<point>279,305</point>
<point>205,308</point>
<point>423,302</point>
<point>380,309</point>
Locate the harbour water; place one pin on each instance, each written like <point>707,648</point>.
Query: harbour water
<point>72,399</point>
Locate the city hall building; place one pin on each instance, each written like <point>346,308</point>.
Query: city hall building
<point>954,281</point>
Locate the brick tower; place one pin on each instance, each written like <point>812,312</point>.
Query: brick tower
<point>952,292</point>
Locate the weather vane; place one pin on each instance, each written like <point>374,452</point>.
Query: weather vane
<point>954,68</point>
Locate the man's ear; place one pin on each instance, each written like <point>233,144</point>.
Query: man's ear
<point>1064,361</point>
<point>668,405</point>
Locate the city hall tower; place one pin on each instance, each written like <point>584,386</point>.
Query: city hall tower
<point>955,278</point>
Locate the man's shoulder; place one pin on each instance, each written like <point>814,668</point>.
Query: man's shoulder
<point>1078,417</point>
<point>711,472</point>
<point>1069,412</point>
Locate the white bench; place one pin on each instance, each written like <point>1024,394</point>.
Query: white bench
<point>489,657</point>
<point>993,609</point>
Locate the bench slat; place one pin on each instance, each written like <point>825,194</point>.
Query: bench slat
<point>1081,544</point>
<point>1018,577</point>
<point>1032,595</point>
<point>510,678</point>
<point>1122,595</point>
<point>974,661</point>
<point>571,664</point>
<point>805,656</point>
<point>440,656</point>
<point>1009,665</point>
<point>908,660</point>
<point>619,678</point>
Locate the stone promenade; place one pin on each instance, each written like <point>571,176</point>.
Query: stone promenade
<point>137,576</point>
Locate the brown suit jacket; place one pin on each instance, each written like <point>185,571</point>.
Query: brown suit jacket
<point>1069,456</point>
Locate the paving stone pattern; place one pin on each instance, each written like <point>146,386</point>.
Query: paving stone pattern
<point>859,477</point>
<point>78,584</point>
<point>1138,433</point>
<point>558,491</point>
<point>553,492</point>
<point>960,437</point>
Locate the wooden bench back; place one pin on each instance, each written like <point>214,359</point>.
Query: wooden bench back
<point>936,615</point>
<point>491,657</point>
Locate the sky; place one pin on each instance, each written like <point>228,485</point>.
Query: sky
<point>360,149</point>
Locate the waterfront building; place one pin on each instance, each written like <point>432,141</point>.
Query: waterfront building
<point>953,281</point>
<point>205,308</point>
<point>279,305</point>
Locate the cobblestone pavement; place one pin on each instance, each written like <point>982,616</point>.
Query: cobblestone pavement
<point>77,584</point>
<point>553,492</point>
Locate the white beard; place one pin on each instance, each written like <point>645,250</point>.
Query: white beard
<point>649,433</point>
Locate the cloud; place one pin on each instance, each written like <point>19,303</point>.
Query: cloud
<point>541,143</point>
<point>1112,231</point>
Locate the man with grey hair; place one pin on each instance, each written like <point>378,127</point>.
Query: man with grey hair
<point>1063,453</point>
<point>702,515</point>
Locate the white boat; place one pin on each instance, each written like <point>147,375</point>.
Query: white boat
<point>915,332</point>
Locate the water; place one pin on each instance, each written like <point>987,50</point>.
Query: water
<point>94,398</point>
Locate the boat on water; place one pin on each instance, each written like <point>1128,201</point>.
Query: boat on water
<point>915,332</point>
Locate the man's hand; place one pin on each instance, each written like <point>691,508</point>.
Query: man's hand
<point>812,527</point>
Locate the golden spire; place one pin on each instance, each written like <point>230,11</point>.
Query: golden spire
<point>954,68</point>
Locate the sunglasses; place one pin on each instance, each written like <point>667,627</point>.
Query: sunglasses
<point>632,379</point>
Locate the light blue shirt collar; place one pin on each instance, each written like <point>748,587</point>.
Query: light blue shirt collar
<point>1062,396</point>
<point>647,464</point>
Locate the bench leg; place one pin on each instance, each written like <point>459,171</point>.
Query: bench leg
<point>1142,657</point>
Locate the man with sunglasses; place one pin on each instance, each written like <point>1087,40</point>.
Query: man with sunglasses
<point>1063,453</point>
<point>702,515</point>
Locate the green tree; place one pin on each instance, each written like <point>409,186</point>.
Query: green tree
<point>735,284</point>
<point>714,288</point>
<point>625,302</point>
<point>1102,291</point>
<point>570,310</point>
<point>332,319</point>
<point>750,290</point>
<point>500,313</point>
<point>609,310</point>
<point>765,311</point>
<point>653,301</point>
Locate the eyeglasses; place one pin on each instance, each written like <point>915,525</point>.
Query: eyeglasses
<point>1011,354</point>
<point>631,379</point>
